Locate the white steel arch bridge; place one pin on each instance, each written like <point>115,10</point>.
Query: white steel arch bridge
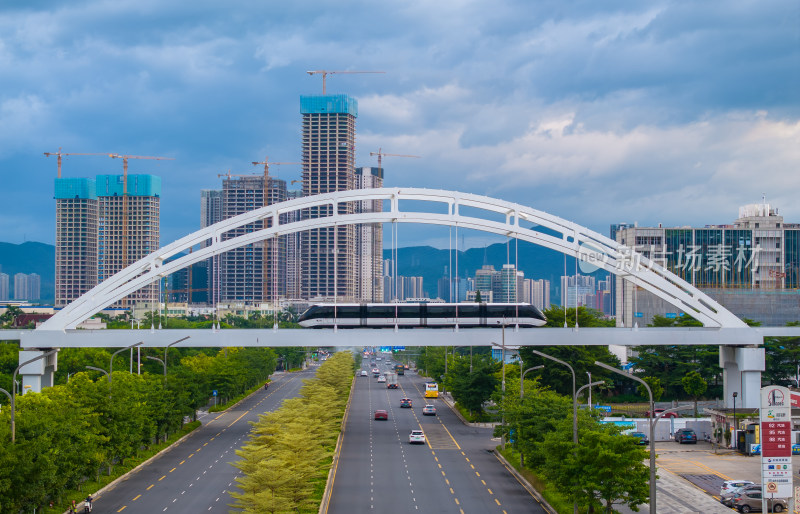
<point>448,208</point>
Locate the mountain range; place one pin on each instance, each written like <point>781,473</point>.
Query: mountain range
<point>421,261</point>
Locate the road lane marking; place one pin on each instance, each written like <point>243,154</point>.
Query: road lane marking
<point>497,501</point>
<point>151,486</point>
<point>181,462</point>
<point>173,469</point>
<point>137,497</point>
<point>123,508</point>
<point>162,478</point>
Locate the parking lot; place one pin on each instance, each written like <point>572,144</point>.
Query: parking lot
<point>700,465</point>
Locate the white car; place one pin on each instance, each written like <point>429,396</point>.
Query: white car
<point>381,378</point>
<point>363,373</point>
<point>731,488</point>
<point>416,437</point>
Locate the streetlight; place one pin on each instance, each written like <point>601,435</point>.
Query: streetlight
<point>652,431</point>
<point>162,363</point>
<point>14,379</point>
<point>735,425</point>
<point>521,394</point>
<point>165,355</point>
<point>574,404</point>
<point>590,390</point>
<point>589,386</point>
<point>111,367</point>
<point>522,380</point>
<point>101,370</point>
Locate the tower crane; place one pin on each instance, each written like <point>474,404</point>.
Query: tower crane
<point>125,197</point>
<point>325,73</point>
<point>266,164</point>
<point>59,155</point>
<point>381,154</point>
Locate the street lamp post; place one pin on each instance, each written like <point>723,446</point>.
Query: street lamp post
<point>735,424</point>
<point>574,404</point>
<point>652,430</point>
<point>111,367</point>
<point>102,371</point>
<point>165,355</point>
<point>162,363</point>
<point>521,394</point>
<point>13,402</point>
<point>522,380</point>
<point>590,390</point>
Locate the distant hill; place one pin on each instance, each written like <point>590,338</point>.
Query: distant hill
<point>536,261</point>
<point>30,257</point>
<point>420,261</point>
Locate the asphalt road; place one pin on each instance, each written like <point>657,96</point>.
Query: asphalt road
<point>454,471</point>
<point>196,475</point>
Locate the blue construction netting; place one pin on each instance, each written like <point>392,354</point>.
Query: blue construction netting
<point>329,104</point>
<point>138,185</point>
<point>72,188</point>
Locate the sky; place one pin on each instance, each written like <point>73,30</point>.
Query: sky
<point>673,112</point>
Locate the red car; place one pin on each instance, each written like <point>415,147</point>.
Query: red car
<point>656,412</point>
<point>381,414</point>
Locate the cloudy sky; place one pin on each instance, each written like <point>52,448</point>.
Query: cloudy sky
<point>598,111</point>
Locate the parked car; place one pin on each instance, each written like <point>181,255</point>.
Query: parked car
<point>429,410</point>
<point>641,438</point>
<point>381,414</point>
<point>685,435</point>
<point>750,501</point>
<point>656,412</point>
<point>405,403</point>
<point>730,488</point>
<point>416,437</point>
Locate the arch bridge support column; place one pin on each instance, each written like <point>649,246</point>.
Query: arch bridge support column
<point>37,374</point>
<point>741,373</point>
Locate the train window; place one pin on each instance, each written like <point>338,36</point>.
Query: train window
<point>408,311</point>
<point>468,311</point>
<point>381,311</point>
<point>350,311</point>
<point>441,311</point>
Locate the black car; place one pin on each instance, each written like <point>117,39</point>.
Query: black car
<point>685,435</point>
<point>641,438</point>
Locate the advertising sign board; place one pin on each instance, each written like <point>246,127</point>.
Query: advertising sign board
<point>776,442</point>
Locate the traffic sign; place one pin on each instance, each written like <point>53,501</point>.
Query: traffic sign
<point>776,442</point>
<point>214,392</point>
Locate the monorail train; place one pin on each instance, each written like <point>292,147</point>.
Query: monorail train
<point>430,315</point>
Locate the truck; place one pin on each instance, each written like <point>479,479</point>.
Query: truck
<point>400,369</point>
<point>391,380</point>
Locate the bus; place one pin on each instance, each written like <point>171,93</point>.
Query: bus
<point>400,369</point>
<point>431,390</point>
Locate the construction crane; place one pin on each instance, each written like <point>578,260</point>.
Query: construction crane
<point>381,154</point>
<point>325,73</point>
<point>266,164</point>
<point>59,155</point>
<point>229,175</point>
<point>125,197</point>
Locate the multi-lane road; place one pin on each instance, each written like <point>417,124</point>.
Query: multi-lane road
<point>196,475</point>
<point>455,471</point>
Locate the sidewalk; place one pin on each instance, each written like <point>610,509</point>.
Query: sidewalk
<point>675,495</point>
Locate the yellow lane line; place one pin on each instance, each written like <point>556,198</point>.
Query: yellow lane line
<point>162,478</point>
<point>173,469</point>
<point>123,508</point>
<point>137,497</point>
<point>151,486</point>
<point>181,462</point>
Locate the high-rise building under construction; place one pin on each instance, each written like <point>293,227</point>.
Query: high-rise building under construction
<point>256,272</point>
<point>101,229</point>
<point>328,257</point>
<point>369,240</point>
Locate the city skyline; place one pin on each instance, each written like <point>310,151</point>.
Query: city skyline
<point>631,105</point>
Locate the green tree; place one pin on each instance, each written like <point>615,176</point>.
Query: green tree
<point>695,386</point>
<point>473,389</point>
<point>478,298</point>
<point>655,388</point>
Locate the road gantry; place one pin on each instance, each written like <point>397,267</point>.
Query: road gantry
<point>460,474</point>
<point>196,475</point>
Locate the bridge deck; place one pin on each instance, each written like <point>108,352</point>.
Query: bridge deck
<point>401,337</point>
